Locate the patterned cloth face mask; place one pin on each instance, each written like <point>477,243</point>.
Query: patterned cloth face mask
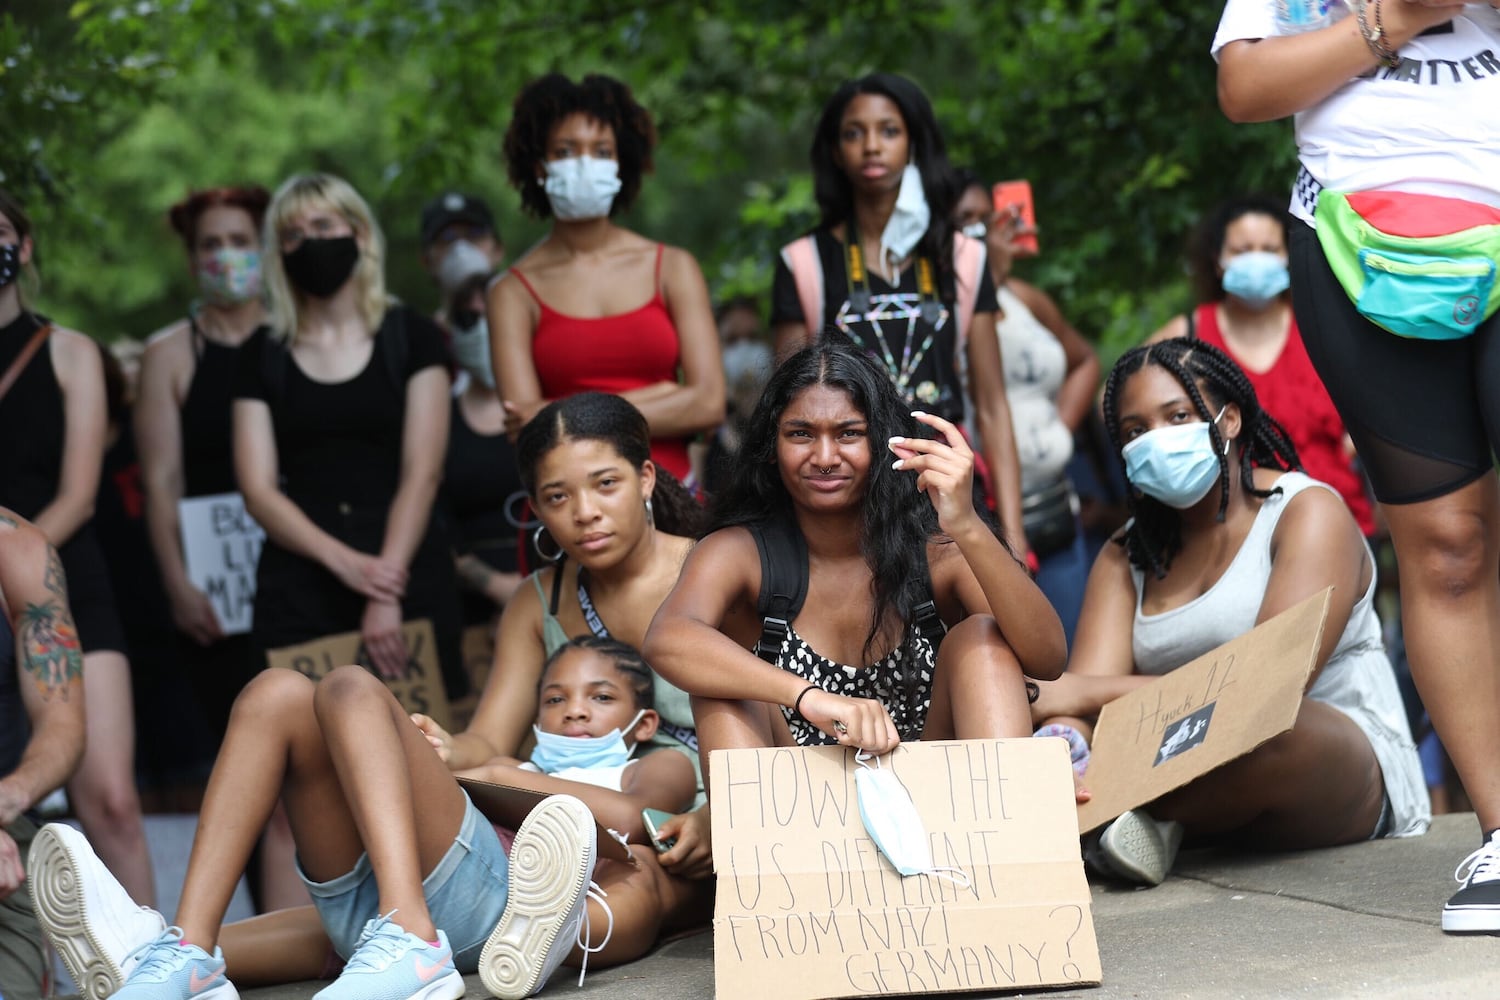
<point>230,276</point>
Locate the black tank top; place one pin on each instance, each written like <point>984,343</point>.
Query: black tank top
<point>31,424</point>
<point>15,725</point>
<point>480,483</point>
<point>207,437</point>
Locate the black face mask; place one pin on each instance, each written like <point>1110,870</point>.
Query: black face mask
<point>319,267</point>
<point>10,263</point>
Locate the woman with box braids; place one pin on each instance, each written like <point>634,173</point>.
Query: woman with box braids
<point>1199,566</point>
<point>1152,538</point>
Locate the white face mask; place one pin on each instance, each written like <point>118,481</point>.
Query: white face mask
<point>890,818</point>
<point>747,359</point>
<point>908,222</point>
<point>975,230</point>
<point>581,187</point>
<point>471,349</point>
<point>461,263</point>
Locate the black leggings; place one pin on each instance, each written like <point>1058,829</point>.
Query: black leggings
<point>1424,414</point>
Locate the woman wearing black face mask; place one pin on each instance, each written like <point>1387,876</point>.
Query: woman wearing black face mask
<point>340,424</point>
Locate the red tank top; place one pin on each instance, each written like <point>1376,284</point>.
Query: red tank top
<point>610,354</point>
<point>1291,391</point>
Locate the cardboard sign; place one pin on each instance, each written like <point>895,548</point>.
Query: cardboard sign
<point>808,908</point>
<point>421,690</point>
<point>509,807</point>
<point>477,646</point>
<point>221,547</point>
<point>1205,713</point>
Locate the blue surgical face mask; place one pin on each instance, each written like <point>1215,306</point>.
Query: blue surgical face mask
<point>1256,278</point>
<point>908,221</point>
<point>893,823</point>
<point>555,752</point>
<point>1174,464</point>
<point>581,187</point>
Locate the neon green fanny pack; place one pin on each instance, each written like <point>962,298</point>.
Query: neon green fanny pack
<point>1418,265</point>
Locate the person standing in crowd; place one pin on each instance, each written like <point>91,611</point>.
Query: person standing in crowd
<point>41,731</point>
<point>1227,534</point>
<point>457,230</point>
<point>595,306</point>
<point>340,427</point>
<point>182,423</point>
<point>1051,374</point>
<point>1240,276</point>
<point>885,267</point>
<point>52,405</point>
<point>1424,414</point>
<point>748,361</point>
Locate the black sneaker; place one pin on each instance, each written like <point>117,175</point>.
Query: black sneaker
<point>1475,909</point>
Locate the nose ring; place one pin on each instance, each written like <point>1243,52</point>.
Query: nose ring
<point>825,470</point>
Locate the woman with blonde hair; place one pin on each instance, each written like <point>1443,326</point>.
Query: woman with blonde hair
<point>340,425</point>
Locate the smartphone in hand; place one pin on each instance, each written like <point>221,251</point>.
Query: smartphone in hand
<point>654,818</point>
<point>1011,197</point>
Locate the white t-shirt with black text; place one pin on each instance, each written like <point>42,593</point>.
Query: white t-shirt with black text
<point>1430,125</point>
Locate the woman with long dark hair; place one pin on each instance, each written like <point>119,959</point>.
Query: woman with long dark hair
<point>53,409</point>
<point>886,268</point>
<point>853,666</point>
<point>1227,534</point>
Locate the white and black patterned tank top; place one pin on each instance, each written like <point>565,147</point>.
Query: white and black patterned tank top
<point>880,681</point>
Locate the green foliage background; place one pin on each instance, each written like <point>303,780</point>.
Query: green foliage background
<point>112,109</point>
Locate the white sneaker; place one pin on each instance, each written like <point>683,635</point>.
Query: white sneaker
<point>546,912</point>
<point>1138,848</point>
<point>88,916</point>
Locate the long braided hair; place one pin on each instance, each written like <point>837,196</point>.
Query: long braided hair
<point>1212,380</point>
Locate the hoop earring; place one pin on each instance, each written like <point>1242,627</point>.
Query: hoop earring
<point>650,514</point>
<point>536,544</point>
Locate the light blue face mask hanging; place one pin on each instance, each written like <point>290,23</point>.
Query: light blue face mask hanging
<point>555,753</point>
<point>891,819</point>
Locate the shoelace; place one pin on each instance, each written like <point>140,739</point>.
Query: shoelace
<point>585,931</point>
<point>161,956</point>
<point>374,942</point>
<point>1481,866</point>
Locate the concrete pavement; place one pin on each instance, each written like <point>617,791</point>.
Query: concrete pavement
<point>1360,921</point>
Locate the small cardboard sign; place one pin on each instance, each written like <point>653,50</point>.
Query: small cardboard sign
<point>808,908</point>
<point>509,806</point>
<point>221,546</point>
<point>420,690</point>
<point>1204,714</point>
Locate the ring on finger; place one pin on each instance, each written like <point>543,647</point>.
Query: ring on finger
<point>840,728</point>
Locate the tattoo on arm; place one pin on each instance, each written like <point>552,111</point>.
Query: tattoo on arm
<point>50,651</point>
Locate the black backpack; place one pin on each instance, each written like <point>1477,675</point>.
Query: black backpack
<point>783,587</point>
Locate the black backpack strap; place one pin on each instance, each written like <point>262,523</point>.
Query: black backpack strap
<point>783,582</point>
<point>929,623</point>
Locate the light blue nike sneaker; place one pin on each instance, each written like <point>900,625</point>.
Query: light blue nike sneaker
<point>390,964</point>
<point>170,969</point>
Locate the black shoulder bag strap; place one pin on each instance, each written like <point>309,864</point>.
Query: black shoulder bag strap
<point>929,623</point>
<point>783,582</point>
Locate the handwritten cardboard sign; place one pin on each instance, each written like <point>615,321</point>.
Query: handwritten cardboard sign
<point>1205,713</point>
<point>807,907</point>
<point>421,690</point>
<point>509,806</point>
<point>221,546</point>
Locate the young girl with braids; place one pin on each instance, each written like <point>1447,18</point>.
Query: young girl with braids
<point>1225,535</point>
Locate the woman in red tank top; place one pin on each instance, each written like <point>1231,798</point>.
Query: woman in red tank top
<point>594,306</point>
<point>1240,275</point>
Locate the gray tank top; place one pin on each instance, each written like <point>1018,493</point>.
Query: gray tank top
<point>1358,679</point>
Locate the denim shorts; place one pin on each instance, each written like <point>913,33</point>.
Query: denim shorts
<point>465,893</point>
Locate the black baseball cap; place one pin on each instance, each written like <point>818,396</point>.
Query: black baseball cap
<point>451,207</point>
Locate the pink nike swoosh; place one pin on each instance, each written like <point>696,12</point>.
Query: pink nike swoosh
<point>427,973</point>
<point>196,983</point>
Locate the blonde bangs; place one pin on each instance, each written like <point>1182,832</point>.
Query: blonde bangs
<point>296,195</point>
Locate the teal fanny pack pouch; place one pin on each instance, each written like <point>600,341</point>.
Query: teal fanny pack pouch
<point>1417,265</point>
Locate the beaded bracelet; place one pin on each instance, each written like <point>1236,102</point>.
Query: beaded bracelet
<point>797,705</point>
<point>1375,36</point>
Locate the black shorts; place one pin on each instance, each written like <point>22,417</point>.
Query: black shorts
<point>90,597</point>
<point>1424,414</point>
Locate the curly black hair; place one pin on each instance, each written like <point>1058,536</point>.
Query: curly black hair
<point>1206,245</point>
<point>546,101</point>
<point>626,658</point>
<point>1212,380</point>
<point>602,416</point>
